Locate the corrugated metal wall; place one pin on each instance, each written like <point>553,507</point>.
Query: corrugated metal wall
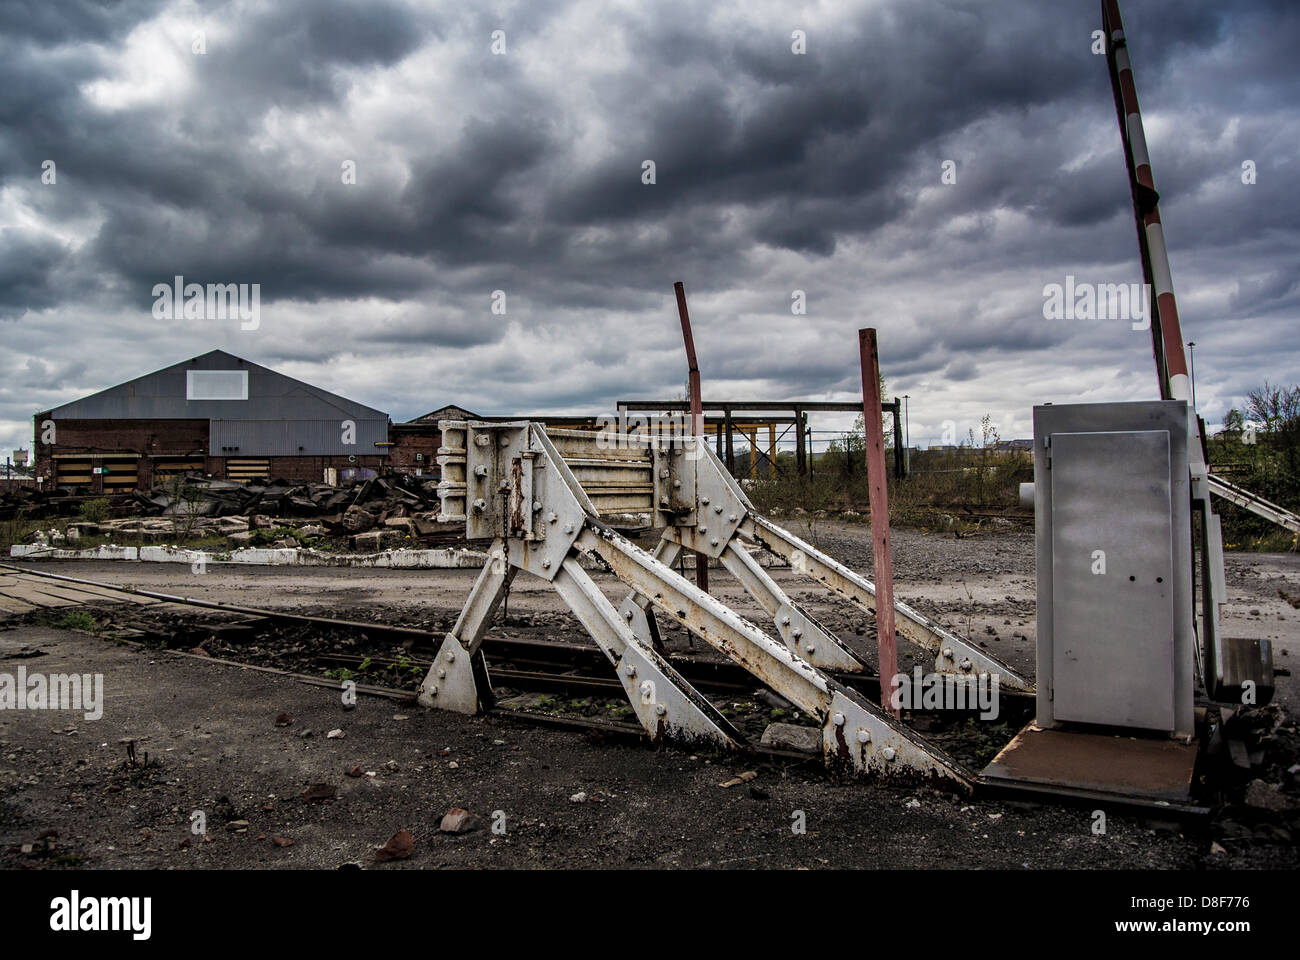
<point>295,438</point>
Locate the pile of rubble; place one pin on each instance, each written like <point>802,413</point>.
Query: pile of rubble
<point>369,516</point>
<point>198,496</point>
<point>1256,753</point>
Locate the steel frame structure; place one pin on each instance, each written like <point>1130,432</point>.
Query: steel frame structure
<point>538,495</point>
<point>740,416</point>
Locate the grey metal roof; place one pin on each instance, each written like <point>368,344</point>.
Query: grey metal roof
<point>161,395</point>
<point>449,412</point>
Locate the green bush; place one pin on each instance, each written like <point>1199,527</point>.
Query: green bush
<point>94,511</point>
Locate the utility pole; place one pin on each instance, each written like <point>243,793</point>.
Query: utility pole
<point>1191,346</point>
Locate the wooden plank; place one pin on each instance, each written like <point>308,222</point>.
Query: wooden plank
<point>14,605</point>
<point>85,591</point>
<point>75,591</point>
<point>28,594</point>
<point>72,594</point>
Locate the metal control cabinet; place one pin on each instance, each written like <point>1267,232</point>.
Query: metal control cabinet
<point>1115,631</point>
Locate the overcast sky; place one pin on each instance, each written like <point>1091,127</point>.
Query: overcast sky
<point>213,141</point>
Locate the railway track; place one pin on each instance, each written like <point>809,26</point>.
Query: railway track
<point>516,662</point>
<point>520,663</point>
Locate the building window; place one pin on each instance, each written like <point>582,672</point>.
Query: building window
<point>216,384</point>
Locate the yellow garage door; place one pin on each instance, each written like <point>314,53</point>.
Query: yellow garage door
<point>247,469</point>
<point>121,474</point>
<point>72,471</point>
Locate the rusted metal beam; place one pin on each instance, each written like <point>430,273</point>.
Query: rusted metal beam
<point>878,495</point>
<point>800,450</point>
<point>815,406</point>
<point>697,406</point>
<point>900,461</point>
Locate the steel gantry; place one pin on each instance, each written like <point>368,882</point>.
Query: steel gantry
<point>539,496</point>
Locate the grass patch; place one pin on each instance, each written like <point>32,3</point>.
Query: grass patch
<point>78,620</point>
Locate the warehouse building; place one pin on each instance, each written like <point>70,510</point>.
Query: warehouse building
<point>218,414</point>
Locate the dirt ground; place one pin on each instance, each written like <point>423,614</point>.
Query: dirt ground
<point>69,795</point>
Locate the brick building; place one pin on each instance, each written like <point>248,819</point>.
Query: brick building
<point>216,413</point>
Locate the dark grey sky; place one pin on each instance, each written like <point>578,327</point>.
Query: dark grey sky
<point>522,172</point>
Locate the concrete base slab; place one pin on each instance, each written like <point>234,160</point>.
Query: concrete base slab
<point>1100,763</point>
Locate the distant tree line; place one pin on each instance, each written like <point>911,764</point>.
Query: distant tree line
<point>1259,449</point>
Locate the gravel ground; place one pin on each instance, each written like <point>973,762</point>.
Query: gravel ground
<point>69,795</point>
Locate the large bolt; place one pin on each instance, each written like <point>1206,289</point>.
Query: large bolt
<point>627,615</point>
<point>451,656</point>
<point>966,665</point>
<point>505,440</point>
<point>546,564</point>
<point>889,753</point>
<point>552,517</point>
<point>630,669</point>
<point>676,484</point>
<point>482,439</point>
<point>838,719</point>
<point>704,500</point>
<point>797,633</point>
<point>433,690</point>
<point>480,471</point>
<point>864,735</point>
<point>442,671</point>
<point>704,529</point>
<point>480,505</point>
<point>785,621</point>
<point>537,506</point>
<point>718,508</point>
<point>714,541</point>
<point>947,653</point>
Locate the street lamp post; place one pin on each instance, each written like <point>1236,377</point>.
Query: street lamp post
<point>1191,346</point>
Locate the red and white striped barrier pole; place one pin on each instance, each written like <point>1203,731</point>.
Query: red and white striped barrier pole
<point>1167,334</point>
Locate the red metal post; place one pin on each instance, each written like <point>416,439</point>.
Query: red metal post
<point>697,404</point>
<point>697,410</point>
<point>878,497</point>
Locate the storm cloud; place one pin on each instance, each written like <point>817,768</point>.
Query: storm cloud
<point>381,169</point>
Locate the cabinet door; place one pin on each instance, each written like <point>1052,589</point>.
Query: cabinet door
<point>1112,631</point>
